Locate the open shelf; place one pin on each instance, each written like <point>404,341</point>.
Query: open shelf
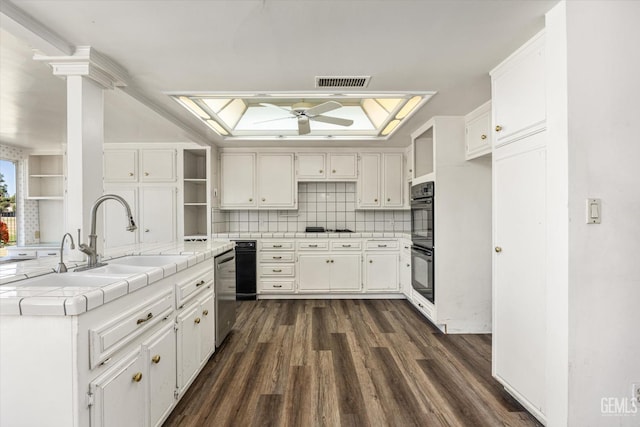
<point>196,197</point>
<point>45,176</point>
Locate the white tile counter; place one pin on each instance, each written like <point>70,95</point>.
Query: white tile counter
<point>47,294</point>
<point>365,235</point>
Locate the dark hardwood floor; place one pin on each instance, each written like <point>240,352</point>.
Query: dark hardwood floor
<point>346,363</point>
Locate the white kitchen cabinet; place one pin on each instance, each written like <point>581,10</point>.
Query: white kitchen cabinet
<point>519,263</point>
<point>188,344</point>
<point>381,271</point>
<point>158,165</point>
<point>145,165</point>
<point>276,268</point>
<point>208,327</point>
<point>238,180</point>
<point>311,166</point>
<point>478,132</point>
<point>120,165</point>
<point>159,353</point>
<point>153,210</point>
<point>119,394</point>
<point>518,93</point>
<point>329,272</point>
<point>343,166</point>
<point>381,182</point>
<point>369,189</point>
<point>393,182</point>
<point>276,181</point>
<point>405,269</point>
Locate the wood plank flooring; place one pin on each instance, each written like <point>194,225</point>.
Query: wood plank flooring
<point>346,363</point>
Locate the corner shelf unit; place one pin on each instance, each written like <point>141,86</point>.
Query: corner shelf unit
<point>196,195</point>
<point>45,177</point>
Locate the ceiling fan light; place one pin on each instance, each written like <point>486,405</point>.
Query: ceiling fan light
<point>191,105</point>
<point>217,127</point>
<point>390,127</point>
<point>408,107</point>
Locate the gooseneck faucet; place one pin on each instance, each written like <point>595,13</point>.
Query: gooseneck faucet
<point>61,267</point>
<point>91,248</point>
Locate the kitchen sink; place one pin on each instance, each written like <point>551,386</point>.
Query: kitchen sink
<point>115,270</point>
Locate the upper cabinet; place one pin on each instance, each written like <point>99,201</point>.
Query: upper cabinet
<point>276,183</point>
<point>478,132</point>
<point>343,166</point>
<point>423,161</point>
<point>196,194</point>
<point>263,181</point>
<point>238,180</point>
<point>131,165</point>
<point>518,93</point>
<point>46,176</point>
<point>327,166</point>
<point>382,181</point>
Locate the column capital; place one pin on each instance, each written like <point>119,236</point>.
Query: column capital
<point>87,62</point>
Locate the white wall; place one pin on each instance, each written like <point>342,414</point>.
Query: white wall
<point>604,260</point>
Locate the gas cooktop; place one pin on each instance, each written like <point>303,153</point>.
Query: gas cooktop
<point>323,230</point>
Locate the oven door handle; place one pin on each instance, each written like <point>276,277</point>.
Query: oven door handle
<point>425,251</point>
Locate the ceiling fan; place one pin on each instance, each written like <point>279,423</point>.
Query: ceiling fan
<point>304,112</point>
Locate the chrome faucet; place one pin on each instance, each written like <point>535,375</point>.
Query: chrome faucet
<point>61,267</point>
<point>91,248</point>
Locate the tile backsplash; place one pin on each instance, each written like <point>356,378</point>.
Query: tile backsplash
<point>330,205</point>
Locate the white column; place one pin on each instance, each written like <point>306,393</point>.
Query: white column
<point>88,74</point>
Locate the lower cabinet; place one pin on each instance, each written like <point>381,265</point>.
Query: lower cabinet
<point>159,354</point>
<point>381,271</point>
<point>119,394</point>
<point>195,338</point>
<point>405,270</point>
<point>329,272</point>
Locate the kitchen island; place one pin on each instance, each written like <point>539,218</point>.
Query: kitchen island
<point>116,345</point>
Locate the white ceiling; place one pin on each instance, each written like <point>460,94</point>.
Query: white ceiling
<point>446,46</point>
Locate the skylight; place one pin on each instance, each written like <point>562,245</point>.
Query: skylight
<point>303,115</point>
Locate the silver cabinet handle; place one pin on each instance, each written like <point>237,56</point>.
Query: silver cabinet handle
<point>277,286</point>
<point>276,257</point>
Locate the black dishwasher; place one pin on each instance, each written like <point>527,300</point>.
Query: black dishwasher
<point>245,270</point>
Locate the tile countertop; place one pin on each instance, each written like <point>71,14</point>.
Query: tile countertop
<point>17,297</point>
<point>292,235</point>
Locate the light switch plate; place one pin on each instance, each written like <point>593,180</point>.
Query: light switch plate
<point>594,211</point>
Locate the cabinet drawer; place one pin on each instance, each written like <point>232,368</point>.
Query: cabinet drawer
<point>190,286</point>
<point>276,245</point>
<point>276,257</point>
<point>49,253</point>
<point>382,244</point>
<point>276,270</point>
<point>313,245</point>
<point>267,286</point>
<point>22,254</point>
<point>345,245</point>
<point>107,339</point>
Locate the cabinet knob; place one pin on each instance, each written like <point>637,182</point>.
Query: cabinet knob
<point>130,173</point>
<point>498,128</point>
<point>483,136</point>
<point>196,320</point>
<point>375,200</point>
<point>264,200</point>
<point>156,358</point>
<point>251,200</point>
<point>408,265</point>
<point>205,312</point>
<point>320,171</point>
<point>331,261</point>
<point>333,171</point>
<point>328,261</point>
<point>370,261</point>
<point>388,199</point>
<point>137,377</point>
<point>146,174</point>
<point>410,170</point>
<point>498,249</point>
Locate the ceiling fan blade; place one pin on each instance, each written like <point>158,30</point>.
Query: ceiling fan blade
<point>303,126</point>
<point>323,108</point>
<point>266,104</point>
<point>333,120</point>
<point>273,120</point>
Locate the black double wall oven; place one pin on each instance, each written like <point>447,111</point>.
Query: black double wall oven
<point>422,239</point>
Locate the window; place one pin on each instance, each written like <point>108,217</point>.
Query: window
<point>8,228</point>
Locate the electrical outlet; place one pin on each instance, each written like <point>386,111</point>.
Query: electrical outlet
<point>635,393</point>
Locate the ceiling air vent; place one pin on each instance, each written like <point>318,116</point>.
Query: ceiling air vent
<point>342,81</point>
